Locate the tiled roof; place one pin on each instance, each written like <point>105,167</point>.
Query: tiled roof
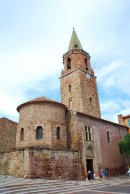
<point>39,100</point>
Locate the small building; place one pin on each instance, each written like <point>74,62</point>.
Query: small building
<point>64,140</point>
<point>124,120</point>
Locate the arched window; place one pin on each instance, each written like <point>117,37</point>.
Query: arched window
<point>22,134</point>
<point>68,63</point>
<point>58,132</point>
<point>86,64</point>
<point>39,132</point>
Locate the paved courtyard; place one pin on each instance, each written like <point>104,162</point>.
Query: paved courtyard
<point>114,185</point>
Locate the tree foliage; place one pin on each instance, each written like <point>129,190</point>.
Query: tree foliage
<point>124,146</point>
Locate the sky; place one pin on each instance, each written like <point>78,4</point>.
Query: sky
<point>34,35</point>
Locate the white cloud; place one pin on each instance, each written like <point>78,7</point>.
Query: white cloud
<point>126,104</point>
<point>110,106</point>
<point>114,107</point>
<point>32,45</point>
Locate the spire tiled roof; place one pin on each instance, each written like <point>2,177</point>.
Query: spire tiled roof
<point>74,42</point>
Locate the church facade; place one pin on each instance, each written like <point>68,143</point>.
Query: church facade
<point>64,140</point>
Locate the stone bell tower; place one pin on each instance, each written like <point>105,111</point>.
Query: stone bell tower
<point>78,82</point>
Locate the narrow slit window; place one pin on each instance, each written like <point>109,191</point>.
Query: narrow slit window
<point>22,134</point>
<point>90,100</point>
<point>58,132</point>
<point>86,64</point>
<point>108,137</point>
<point>69,88</point>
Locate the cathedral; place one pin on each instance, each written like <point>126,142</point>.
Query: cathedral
<point>63,140</point>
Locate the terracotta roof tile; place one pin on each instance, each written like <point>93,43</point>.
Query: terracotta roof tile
<point>40,100</point>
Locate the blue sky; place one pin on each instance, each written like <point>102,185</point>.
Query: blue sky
<point>34,34</point>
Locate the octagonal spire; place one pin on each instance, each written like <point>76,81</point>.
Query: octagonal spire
<point>74,42</point>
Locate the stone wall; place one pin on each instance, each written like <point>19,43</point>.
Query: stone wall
<point>7,134</point>
<point>77,58</point>
<point>104,154</point>
<point>83,95</point>
<point>14,163</point>
<point>54,164</point>
<point>71,99</point>
<point>71,128</point>
<point>111,156</point>
<point>89,95</point>
<point>41,163</point>
<point>47,115</point>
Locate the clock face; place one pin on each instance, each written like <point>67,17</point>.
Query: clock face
<point>88,76</point>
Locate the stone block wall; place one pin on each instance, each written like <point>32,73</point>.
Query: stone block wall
<point>41,163</point>
<point>7,134</point>
<point>47,115</point>
<point>83,96</point>
<point>71,128</point>
<point>13,163</point>
<point>89,95</point>
<point>74,95</point>
<point>54,164</point>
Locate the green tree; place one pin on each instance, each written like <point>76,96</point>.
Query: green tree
<point>124,146</point>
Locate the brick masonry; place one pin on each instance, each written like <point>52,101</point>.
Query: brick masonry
<point>39,162</point>
<point>83,94</point>
<point>7,134</point>
<point>49,116</point>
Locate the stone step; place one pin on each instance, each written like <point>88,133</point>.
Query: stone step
<point>20,181</point>
<point>13,185</point>
<point>46,188</point>
<point>30,185</point>
<point>10,181</point>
